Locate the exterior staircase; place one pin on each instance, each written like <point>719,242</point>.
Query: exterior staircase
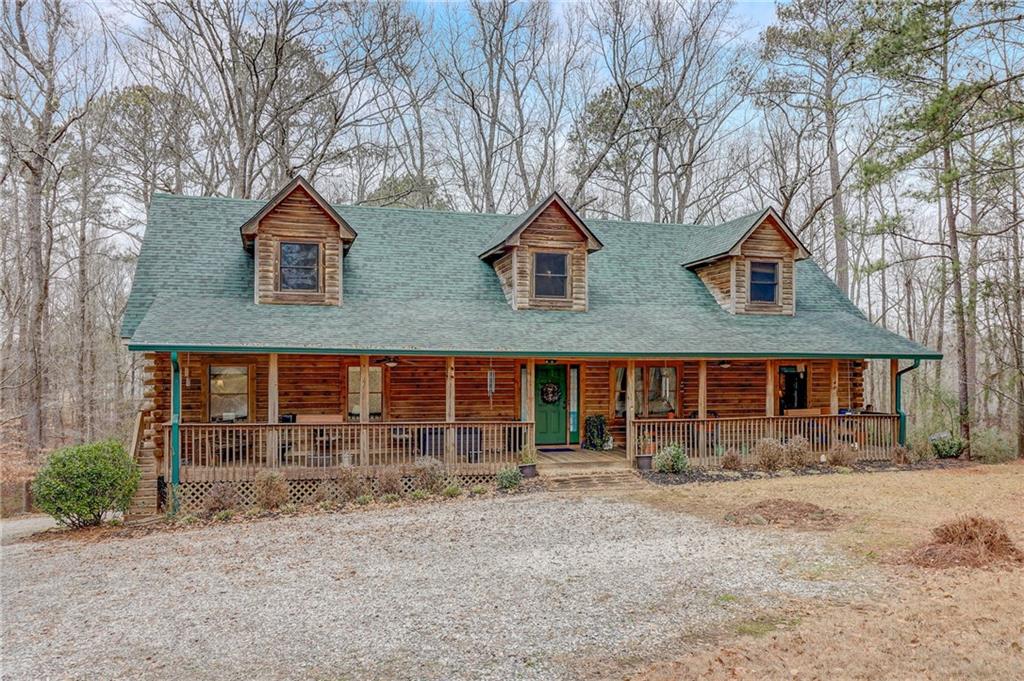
<point>588,472</point>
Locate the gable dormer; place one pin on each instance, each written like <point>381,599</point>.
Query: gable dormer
<point>298,242</point>
<point>541,258</point>
<point>748,264</point>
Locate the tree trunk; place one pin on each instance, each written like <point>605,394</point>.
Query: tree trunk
<point>959,315</point>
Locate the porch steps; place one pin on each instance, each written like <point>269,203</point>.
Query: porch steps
<point>597,480</point>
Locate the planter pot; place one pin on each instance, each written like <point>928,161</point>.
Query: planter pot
<point>346,459</point>
<point>643,462</point>
<point>529,470</point>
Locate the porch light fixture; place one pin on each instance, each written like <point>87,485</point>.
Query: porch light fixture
<point>724,364</point>
<point>390,362</point>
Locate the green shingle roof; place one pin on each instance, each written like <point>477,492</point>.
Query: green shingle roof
<point>413,283</point>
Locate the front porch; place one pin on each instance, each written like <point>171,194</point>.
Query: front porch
<point>223,417</point>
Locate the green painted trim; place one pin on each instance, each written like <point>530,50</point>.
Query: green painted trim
<point>147,347</point>
<point>175,424</point>
<point>899,400</point>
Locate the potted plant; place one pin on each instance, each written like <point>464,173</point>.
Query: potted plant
<point>528,463</point>
<point>647,449</point>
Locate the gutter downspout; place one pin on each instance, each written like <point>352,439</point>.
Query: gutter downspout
<point>899,400</point>
<point>175,430</point>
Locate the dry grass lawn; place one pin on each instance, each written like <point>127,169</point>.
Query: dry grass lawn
<point>930,624</point>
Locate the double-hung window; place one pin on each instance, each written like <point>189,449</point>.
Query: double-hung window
<point>551,275</point>
<point>300,266</point>
<point>764,282</point>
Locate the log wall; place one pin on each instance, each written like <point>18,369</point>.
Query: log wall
<point>298,218</point>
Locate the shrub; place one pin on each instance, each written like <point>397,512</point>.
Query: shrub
<point>947,447</point>
<point>528,456</point>
<point>220,497</point>
<point>841,454</point>
<point>390,498</point>
<point>477,490</point>
<point>595,432</point>
<point>731,460</point>
<point>270,490</point>
<point>364,499</point>
<point>769,454</point>
<point>452,491</point>
<point>509,478</point>
<point>670,459</point>
<point>78,485</point>
<point>419,494</point>
<point>223,515</point>
<point>430,476</point>
<point>797,452</point>
<point>351,484</point>
<point>989,445</point>
<point>389,481</point>
<point>325,493</point>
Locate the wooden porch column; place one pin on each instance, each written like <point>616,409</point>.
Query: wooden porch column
<point>449,409</point>
<point>364,409</point>
<point>531,391</point>
<point>833,404</point>
<point>630,408</point>
<point>702,404</point>
<point>894,368</point>
<point>771,402</point>
<point>273,409</point>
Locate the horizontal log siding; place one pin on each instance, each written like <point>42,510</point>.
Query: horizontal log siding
<point>767,242</point>
<point>504,267</point>
<point>736,391</point>
<point>472,402</point>
<point>311,384</point>
<point>195,383</point>
<point>551,230</point>
<point>416,389</point>
<point>298,217</point>
<point>717,276</point>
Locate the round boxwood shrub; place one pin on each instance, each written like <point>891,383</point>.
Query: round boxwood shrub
<point>80,484</point>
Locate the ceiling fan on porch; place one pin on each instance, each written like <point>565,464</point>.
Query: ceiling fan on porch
<point>390,361</point>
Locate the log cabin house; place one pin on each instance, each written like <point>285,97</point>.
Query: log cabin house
<point>303,337</point>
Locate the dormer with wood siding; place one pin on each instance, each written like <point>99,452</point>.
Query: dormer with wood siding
<point>298,242</point>
<point>541,258</point>
<point>749,265</point>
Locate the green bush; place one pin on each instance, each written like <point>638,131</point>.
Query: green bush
<point>990,445</point>
<point>419,494</point>
<point>670,459</point>
<point>595,432</point>
<point>364,499</point>
<point>452,491</point>
<point>947,447</point>
<point>390,498</point>
<point>477,490</point>
<point>80,484</point>
<point>509,478</point>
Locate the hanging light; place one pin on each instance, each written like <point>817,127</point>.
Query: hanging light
<point>390,362</point>
<point>724,364</point>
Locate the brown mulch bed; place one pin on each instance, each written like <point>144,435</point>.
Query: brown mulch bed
<point>703,475</point>
<point>785,513</point>
<point>968,541</point>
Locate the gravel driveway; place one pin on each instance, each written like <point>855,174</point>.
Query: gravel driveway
<point>533,586</point>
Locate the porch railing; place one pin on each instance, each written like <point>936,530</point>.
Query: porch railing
<point>237,451</point>
<point>872,436</point>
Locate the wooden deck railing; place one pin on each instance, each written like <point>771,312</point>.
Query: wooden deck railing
<point>237,451</point>
<point>872,436</point>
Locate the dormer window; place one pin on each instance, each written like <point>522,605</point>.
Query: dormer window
<point>764,282</point>
<point>551,275</point>
<point>299,266</point>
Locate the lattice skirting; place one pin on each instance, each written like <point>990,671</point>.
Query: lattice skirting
<point>191,494</point>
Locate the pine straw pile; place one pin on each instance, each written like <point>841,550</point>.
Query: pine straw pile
<point>968,541</point>
<point>785,513</point>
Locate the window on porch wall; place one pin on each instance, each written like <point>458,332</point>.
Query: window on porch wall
<point>656,391</point>
<point>229,394</point>
<point>376,393</point>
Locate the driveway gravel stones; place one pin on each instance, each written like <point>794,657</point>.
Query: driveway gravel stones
<point>515,587</point>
